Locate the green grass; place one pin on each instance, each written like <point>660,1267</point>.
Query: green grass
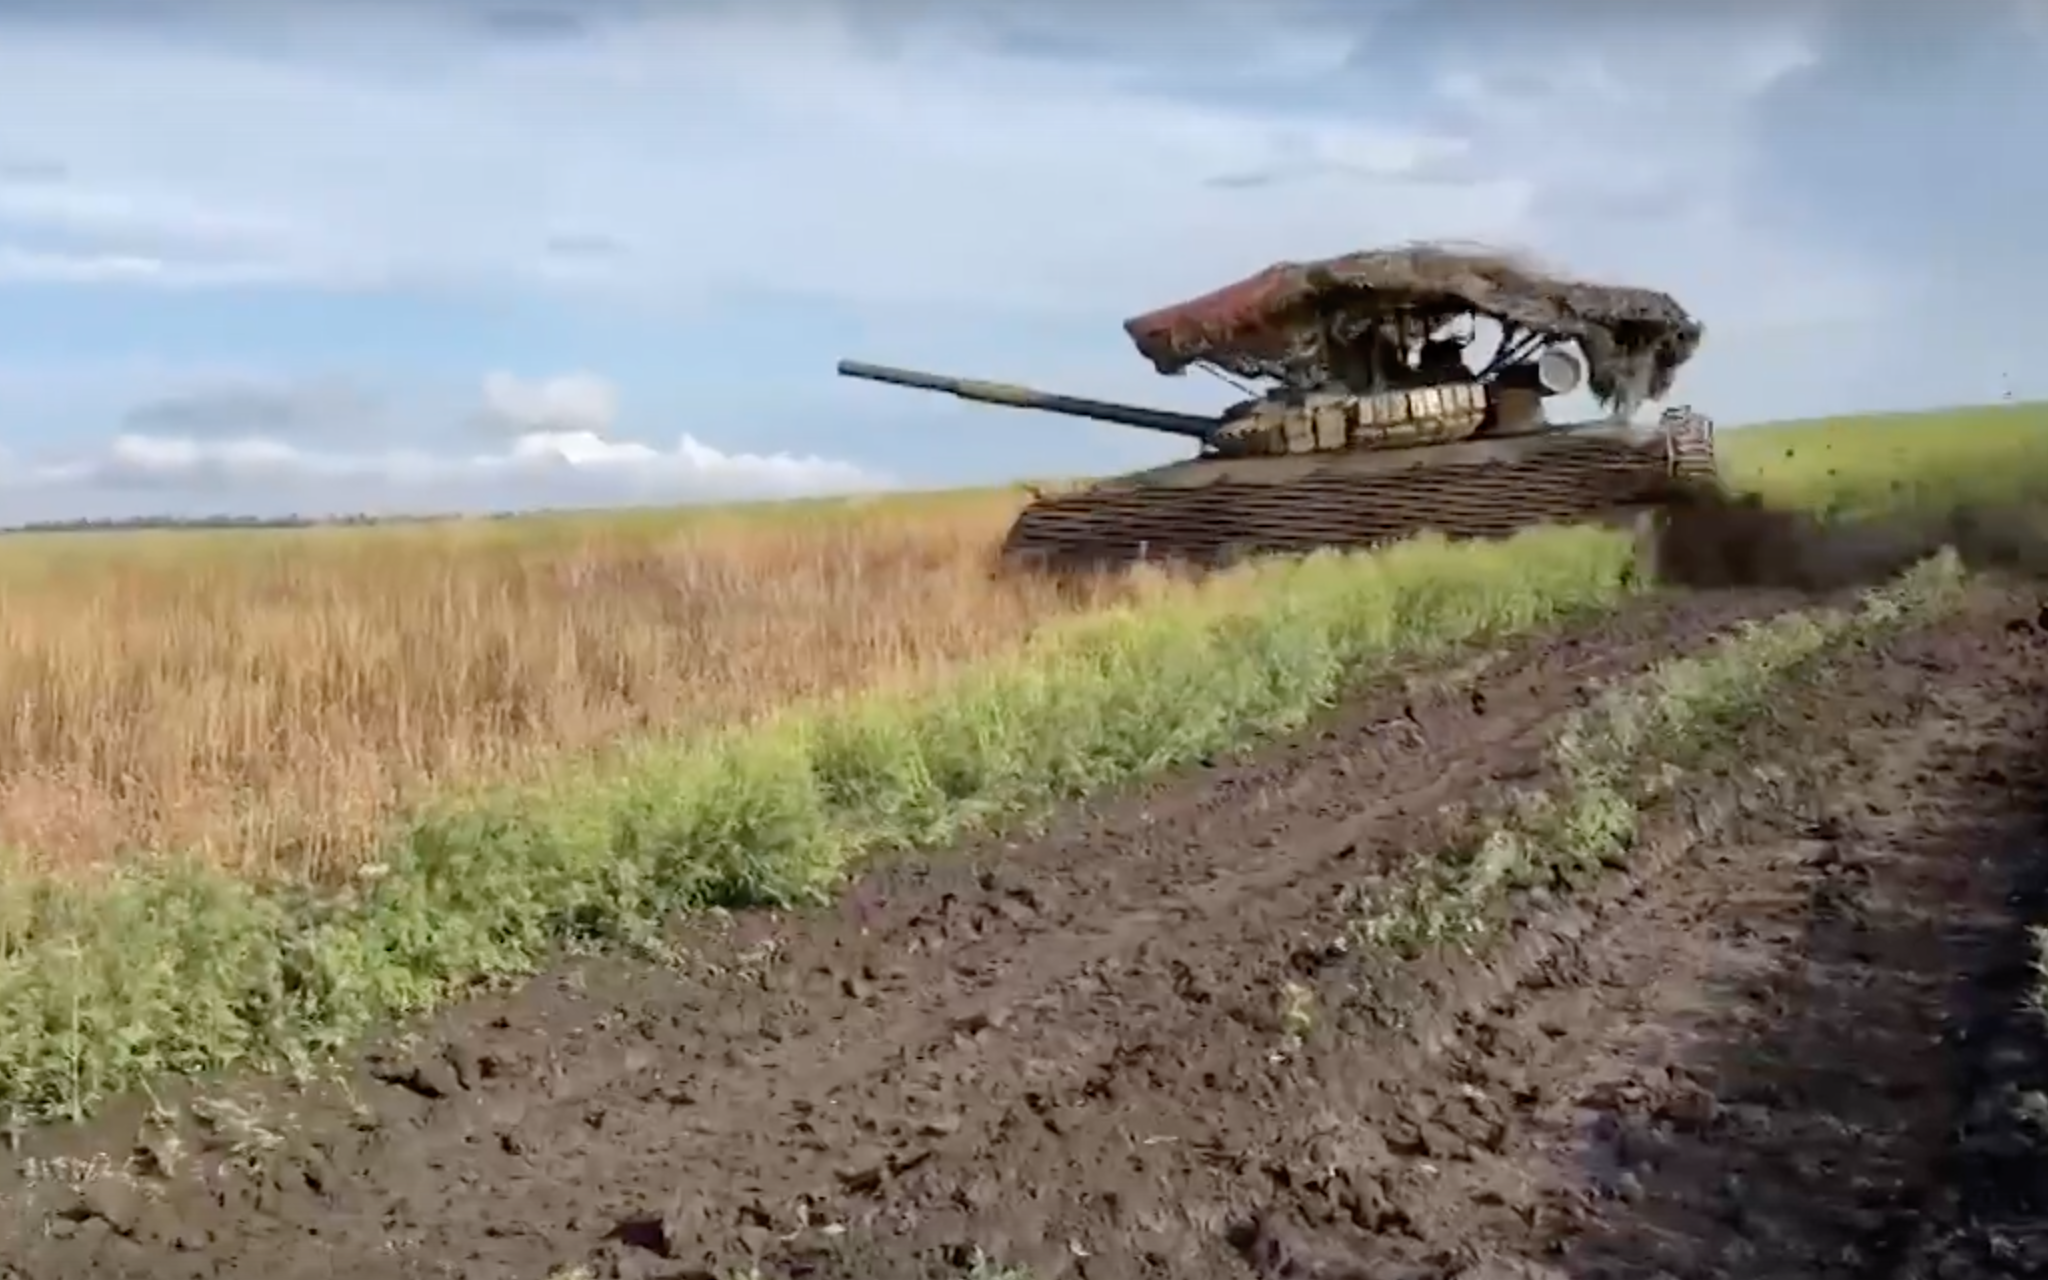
<point>1995,454</point>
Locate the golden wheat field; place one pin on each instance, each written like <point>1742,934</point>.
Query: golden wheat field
<point>272,700</point>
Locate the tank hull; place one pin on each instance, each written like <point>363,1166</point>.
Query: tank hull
<point>1211,512</point>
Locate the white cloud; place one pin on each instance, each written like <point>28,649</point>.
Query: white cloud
<point>32,266</point>
<point>801,155</point>
<point>580,404</point>
<point>565,456</point>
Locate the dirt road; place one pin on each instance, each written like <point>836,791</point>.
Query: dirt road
<point>1787,1043</point>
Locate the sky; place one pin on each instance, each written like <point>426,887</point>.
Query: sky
<point>388,257</point>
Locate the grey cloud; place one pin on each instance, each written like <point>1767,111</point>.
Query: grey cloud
<point>1528,49</point>
<point>585,245</point>
<point>536,22</point>
<point>256,408</point>
<point>1906,139</point>
<point>1557,26</point>
<point>1445,171</point>
<point>1251,179</point>
<point>1282,172</point>
<point>1644,201</point>
<point>31,170</point>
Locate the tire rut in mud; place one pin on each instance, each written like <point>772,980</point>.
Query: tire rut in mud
<point>948,1059</point>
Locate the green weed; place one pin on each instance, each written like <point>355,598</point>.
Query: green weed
<point>1619,754</point>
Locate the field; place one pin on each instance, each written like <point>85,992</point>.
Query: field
<point>273,703</point>
<point>1618,891</point>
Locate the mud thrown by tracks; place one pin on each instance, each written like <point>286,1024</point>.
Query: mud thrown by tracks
<point>1706,537</point>
<point>1085,1053</point>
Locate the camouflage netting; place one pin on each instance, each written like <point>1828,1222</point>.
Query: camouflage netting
<point>1294,321</point>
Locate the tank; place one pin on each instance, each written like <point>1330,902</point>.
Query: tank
<point>1368,421</point>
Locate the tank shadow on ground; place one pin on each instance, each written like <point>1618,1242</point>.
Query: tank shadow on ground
<point>1896,1048</point>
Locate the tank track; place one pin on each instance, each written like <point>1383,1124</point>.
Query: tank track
<point>1562,481</point>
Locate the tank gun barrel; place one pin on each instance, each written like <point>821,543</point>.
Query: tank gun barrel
<point>1194,426</point>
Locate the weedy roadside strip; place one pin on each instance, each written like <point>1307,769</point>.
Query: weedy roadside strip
<point>180,969</point>
<point>1626,751</point>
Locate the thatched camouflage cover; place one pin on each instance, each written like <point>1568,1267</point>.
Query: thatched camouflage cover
<point>1277,323</point>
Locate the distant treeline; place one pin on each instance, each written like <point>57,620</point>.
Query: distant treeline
<point>133,524</point>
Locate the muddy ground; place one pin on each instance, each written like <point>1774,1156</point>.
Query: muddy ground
<point>1788,1042</point>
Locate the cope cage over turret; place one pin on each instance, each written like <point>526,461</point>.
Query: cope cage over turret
<point>1363,323</point>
